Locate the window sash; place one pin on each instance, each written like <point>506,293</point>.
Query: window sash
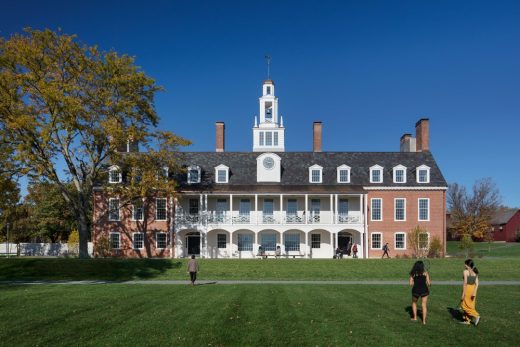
<point>268,138</point>
<point>275,138</point>
<point>245,207</point>
<point>222,176</point>
<point>400,240</point>
<point>268,242</point>
<point>161,240</point>
<point>114,176</point>
<point>400,206</point>
<point>292,207</point>
<point>423,176</point>
<point>113,209</point>
<point>424,209</point>
<point>193,176</point>
<point>268,207</point>
<point>376,209</point>
<point>221,240</point>
<point>193,207</point>
<point>316,176</point>
<point>399,176</point>
<point>160,209</point>
<point>315,240</point>
<point>138,210</point>
<point>343,207</point>
<point>115,241</point>
<point>245,242</point>
<point>261,139</point>
<point>376,241</point>
<point>376,176</point>
<point>138,240</point>
<point>343,176</point>
<point>292,242</point>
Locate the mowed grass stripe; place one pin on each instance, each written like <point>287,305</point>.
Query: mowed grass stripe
<point>247,315</point>
<point>253,269</point>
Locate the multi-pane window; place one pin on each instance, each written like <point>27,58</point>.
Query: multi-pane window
<point>424,209</point>
<point>138,210</point>
<point>376,174</point>
<point>268,242</point>
<point>315,240</point>
<point>138,240</point>
<point>292,242</point>
<point>376,241</point>
<point>400,241</point>
<point>376,209</point>
<point>113,209</point>
<point>399,176</point>
<point>194,174</point>
<point>261,138</point>
<point>275,138</point>
<point>222,176</point>
<point>268,138</point>
<point>160,209</point>
<point>424,240</point>
<point>245,242</point>
<point>161,240</point>
<point>400,209</point>
<point>315,176</point>
<point>244,210</point>
<point>193,207</point>
<point>343,176</point>
<point>114,175</point>
<point>423,176</point>
<point>268,210</point>
<point>115,240</point>
<point>221,241</point>
<point>221,210</point>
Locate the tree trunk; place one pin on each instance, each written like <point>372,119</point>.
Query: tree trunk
<point>83,235</point>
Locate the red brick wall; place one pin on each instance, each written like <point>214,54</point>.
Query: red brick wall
<point>126,227</point>
<point>436,226</point>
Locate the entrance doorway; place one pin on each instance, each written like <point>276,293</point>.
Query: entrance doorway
<point>193,244</point>
<point>345,242</point>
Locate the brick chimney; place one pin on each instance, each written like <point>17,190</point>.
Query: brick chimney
<point>220,140</point>
<point>422,134</point>
<point>407,143</point>
<point>316,136</point>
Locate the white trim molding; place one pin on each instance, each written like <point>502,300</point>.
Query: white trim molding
<point>404,188</point>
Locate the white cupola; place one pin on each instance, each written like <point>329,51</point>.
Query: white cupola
<point>268,131</point>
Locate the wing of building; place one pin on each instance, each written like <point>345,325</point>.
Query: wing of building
<point>270,202</point>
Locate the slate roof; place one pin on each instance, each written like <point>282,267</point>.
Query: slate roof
<point>295,170</point>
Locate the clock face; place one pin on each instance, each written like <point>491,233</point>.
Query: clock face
<point>268,163</point>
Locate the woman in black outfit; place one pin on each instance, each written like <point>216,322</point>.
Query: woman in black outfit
<point>420,282</point>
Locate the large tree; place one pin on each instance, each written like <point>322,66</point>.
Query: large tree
<point>67,109</point>
<point>471,213</point>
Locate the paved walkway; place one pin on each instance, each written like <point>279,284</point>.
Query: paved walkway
<point>257,282</point>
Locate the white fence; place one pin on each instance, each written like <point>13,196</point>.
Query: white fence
<point>38,249</point>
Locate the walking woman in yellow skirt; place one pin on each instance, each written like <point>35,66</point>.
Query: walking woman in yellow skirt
<point>469,293</point>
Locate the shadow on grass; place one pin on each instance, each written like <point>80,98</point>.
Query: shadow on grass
<point>410,311</point>
<point>85,269</point>
<point>455,313</point>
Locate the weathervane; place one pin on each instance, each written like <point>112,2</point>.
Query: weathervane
<point>268,60</point>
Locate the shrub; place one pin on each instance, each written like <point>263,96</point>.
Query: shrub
<point>466,244</point>
<point>102,248</point>
<point>73,242</point>
<point>418,241</point>
<point>435,250</point>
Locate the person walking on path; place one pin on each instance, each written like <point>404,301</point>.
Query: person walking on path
<point>193,268</point>
<point>469,293</point>
<point>420,282</point>
<point>385,251</point>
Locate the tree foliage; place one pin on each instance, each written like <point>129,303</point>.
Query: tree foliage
<point>471,213</point>
<point>417,239</point>
<point>67,105</point>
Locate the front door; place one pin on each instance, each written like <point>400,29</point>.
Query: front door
<point>193,242</point>
<point>344,242</point>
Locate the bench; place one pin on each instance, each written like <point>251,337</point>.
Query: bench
<point>267,255</point>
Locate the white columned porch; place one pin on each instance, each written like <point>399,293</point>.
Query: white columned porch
<point>330,209</point>
<point>365,227</point>
<point>256,209</point>
<point>306,208</point>
<point>231,208</point>
<point>336,221</point>
<point>281,209</point>
<point>307,248</point>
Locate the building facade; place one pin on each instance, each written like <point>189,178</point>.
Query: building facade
<point>305,204</point>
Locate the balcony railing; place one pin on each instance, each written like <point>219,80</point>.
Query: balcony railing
<point>277,218</point>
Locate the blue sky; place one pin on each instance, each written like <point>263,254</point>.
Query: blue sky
<point>367,69</point>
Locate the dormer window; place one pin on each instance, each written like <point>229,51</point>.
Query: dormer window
<point>315,174</point>
<point>114,174</point>
<point>222,174</point>
<point>344,174</point>
<point>193,174</point>
<point>423,174</point>
<point>376,174</point>
<point>163,173</point>
<point>400,174</point>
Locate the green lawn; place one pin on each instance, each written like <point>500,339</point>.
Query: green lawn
<point>486,249</point>
<point>253,269</point>
<point>242,315</point>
